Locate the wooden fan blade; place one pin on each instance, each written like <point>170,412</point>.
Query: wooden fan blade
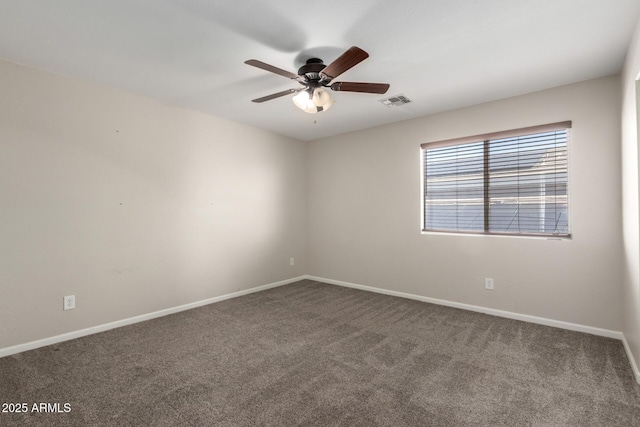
<point>353,56</point>
<point>276,95</point>
<point>271,68</point>
<point>360,87</point>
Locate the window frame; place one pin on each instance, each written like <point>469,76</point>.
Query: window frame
<point>485,138</point>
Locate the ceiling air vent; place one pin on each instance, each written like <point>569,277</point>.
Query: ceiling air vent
<point>394,101</point>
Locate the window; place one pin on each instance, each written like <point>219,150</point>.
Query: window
<point>513,183</point>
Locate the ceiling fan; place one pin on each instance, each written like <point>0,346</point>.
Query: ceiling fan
<point>315,75</point>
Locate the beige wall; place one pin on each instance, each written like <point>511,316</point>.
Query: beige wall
<point>364,213</point>
<point>133,206</point>
<point>631,215</point>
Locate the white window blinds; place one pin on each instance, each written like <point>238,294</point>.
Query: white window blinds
<point>513,182</point>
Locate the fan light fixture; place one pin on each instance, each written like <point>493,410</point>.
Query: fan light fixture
<point>313,100</point>
<point>315,77</point>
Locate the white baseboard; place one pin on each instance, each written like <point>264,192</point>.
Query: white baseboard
<point>500,313</point>
<point>7,351</point>
<point>632,360</point>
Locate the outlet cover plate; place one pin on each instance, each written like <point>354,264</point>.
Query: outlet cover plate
<point>488,283</point>
<point>69,302</point>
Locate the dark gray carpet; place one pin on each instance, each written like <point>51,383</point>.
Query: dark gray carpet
<point>315,354</point>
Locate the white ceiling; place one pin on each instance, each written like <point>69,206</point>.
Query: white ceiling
<point>442,54</point>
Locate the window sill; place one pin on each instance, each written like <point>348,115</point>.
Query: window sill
<point>517,236</point>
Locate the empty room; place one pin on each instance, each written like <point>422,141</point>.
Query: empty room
<point>357,213</point>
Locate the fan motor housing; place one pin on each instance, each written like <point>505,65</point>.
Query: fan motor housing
<point>311,70</point>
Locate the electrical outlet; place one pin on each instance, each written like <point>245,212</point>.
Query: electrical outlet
<point>292,261</point>
<point>69,302</point>
<point>488,283</point>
